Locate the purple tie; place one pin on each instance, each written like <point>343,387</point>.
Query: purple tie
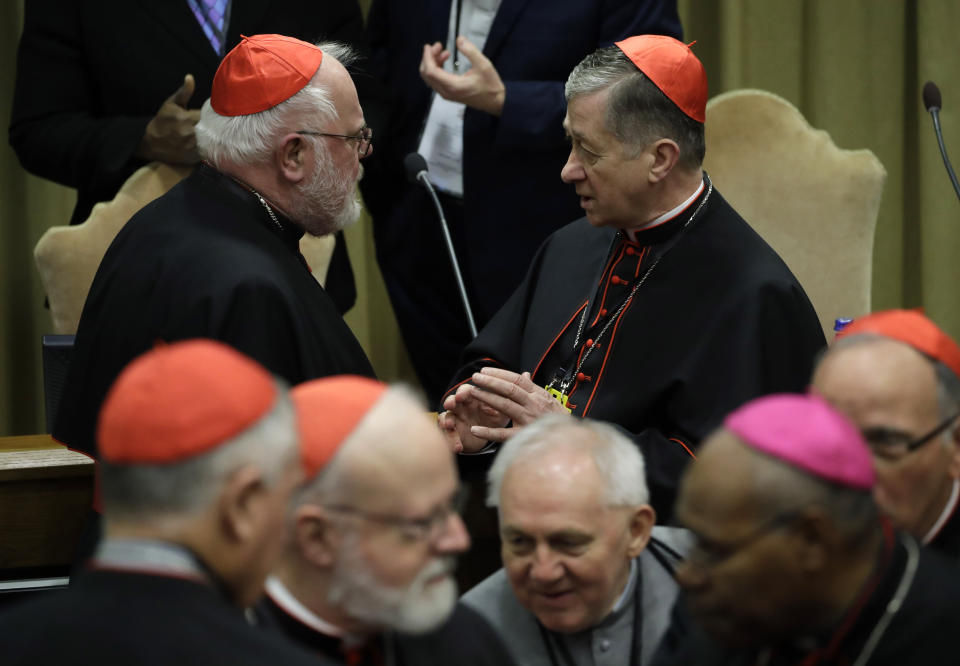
<point>214,17</point>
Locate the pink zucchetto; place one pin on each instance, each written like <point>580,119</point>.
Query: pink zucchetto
<point>806,433</point>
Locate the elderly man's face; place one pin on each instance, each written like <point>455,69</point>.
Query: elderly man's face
<point>566,552</point>
<point>394,566</point>
<point>612,185</point>
<point>889,391</point>
<point>328,200</point>
<point>739,550</point>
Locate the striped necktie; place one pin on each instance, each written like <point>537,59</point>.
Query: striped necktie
<point>214,17</point>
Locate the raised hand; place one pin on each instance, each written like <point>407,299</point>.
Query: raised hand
<point>170,136</point>
<point>480,87</point>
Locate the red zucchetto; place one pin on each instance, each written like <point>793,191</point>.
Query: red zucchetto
<point>328,410</point>
<point>181,400</point>
<point>672,67</point>
<point>911,327</point>
<point>262,71</point>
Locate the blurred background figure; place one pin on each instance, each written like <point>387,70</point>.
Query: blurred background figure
<point>791,561</point>
<point>895,375</point>
<point>200,459</point>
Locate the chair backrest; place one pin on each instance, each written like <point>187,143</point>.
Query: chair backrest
<point>57,353</point>
<point>68,257</point>
<point>813,202</point>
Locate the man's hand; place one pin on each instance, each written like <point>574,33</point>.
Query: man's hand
<point>513,395</point>
<point>480,87</point>
<point>170,134</point>
<point>465,412</point>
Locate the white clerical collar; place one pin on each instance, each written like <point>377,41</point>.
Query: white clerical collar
<point>283,598</point>
<point>945,514</point>
<point>148,556</point>
<point>666,217</point>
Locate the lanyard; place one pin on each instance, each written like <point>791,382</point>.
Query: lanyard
<point>891,609</point>
<point>455,58</point>
<point>566,381</point>
<point>635,639</point>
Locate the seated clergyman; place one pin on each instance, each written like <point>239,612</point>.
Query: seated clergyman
<point>586,578</point>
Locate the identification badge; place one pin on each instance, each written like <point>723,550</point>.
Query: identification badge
<point>559,396</point>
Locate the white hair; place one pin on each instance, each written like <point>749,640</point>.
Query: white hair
<point>249,139</point>
<point>616,456</point>
<point>418,607</point>
<point>181,490</point>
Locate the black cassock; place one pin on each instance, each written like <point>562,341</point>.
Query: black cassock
<point>947,540</point>
<point>718,320</point>
<point>113,617</point>
<point>922,632</point>
<point>204,260</point>
<point>464,639</point>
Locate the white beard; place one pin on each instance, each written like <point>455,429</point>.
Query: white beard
<point>328,203</point>
<point>416,609</point>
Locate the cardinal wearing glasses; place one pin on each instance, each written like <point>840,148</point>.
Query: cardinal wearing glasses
<point>366,577</point>
<point>217,256</point>
<point>896,375</point>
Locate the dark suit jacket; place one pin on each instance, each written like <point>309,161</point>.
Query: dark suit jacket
<point>513,195</point>
<point>92,73</point>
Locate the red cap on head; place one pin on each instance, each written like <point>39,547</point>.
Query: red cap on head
<point>911,327</point>
<point>181,400</point>
<point>806,433</point>
<point>262,71</point>
<point>672,67</point>
<point>328,410</point>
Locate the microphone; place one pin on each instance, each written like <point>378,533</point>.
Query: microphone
<point>932,101</point>
<point>416,168</point>
<point>415,165</point>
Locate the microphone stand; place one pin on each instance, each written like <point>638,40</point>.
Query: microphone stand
<point>935,114</point>
<point>422,177</point>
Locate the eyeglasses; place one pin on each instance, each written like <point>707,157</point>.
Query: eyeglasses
<point>364,139</point>
<point>706,556</point>
<point>424,528</point>
<point>894,444</point>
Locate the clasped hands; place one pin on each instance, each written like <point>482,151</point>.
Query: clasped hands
<point>492,407</point>
<point>480,87</point>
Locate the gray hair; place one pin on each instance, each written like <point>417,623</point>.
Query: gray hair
<point>781,488</point>
<point>181,490</point>
<point>616,456</point>
<point>948,389</point>
<point>638,113</point>
<point>249,139</point>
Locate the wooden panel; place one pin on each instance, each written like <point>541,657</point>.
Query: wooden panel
<point>22,442</point>
<point>45,495</point>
